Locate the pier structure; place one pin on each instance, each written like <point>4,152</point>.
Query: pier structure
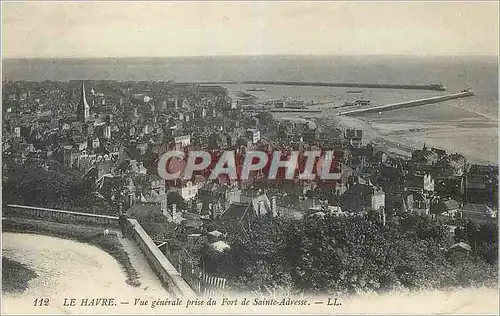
<point>432,87</point>
<point>407,104</point>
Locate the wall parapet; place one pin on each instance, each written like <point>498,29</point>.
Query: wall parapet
<point>164,269</point>
<point>14,210</point>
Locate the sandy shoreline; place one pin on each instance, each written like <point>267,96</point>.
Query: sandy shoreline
<point>399,143</point>
<point>370,134</point>
<point>329,119</point>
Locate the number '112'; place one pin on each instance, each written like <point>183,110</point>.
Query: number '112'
<point>41,302</point>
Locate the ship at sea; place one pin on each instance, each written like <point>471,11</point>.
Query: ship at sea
<point>356,103</point>
<point>294,104</point>
<point>354,91</point>
<point>256,89</point>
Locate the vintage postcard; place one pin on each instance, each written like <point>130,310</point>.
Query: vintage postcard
<point>256,157</point>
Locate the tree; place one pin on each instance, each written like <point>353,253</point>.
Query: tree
<point>265,118</point>
<point>340,254</point>
<point>58,187</point>
<point>118,193</point>
<point>482,238</point>
<point>175,198</point>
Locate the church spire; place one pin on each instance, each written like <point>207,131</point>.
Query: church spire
<point>83,110</point>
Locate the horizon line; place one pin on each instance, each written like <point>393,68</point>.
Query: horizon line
<point>250,55</point>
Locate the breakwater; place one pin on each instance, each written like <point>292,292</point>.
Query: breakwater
<point>433,87</point>
<point>406,104</point>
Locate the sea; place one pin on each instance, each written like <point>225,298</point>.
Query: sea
<point>468,126</point>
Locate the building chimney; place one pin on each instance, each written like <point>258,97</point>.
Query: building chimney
<point>273,206</point>
<point>174,211</point>
<point>130,199</point>
<point>382,216</point>
<point>165,205</point>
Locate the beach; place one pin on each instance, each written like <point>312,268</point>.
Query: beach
<point>449,125</point>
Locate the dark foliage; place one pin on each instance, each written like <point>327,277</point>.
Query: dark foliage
<point>56,187</point>
<point>345,255</point>
<point>17,278</point>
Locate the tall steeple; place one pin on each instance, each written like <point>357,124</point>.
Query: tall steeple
<point>83,109</point>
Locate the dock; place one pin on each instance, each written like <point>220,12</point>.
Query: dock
<point>407,104</point>
<point>433,87</point>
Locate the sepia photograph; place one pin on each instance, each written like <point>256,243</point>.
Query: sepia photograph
<point>250,157</point>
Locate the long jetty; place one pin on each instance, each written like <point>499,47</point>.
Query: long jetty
<point>433,87</point>
<point>407,104</point>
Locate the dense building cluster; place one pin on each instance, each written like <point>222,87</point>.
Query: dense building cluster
<point>112,133</point>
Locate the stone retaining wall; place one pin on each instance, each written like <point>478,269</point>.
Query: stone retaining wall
<point>68,217</point>
<point>163,268</point>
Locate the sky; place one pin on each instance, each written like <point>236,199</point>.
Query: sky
<point>146,29</point>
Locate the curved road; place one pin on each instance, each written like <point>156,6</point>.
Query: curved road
<point>69,269</point>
